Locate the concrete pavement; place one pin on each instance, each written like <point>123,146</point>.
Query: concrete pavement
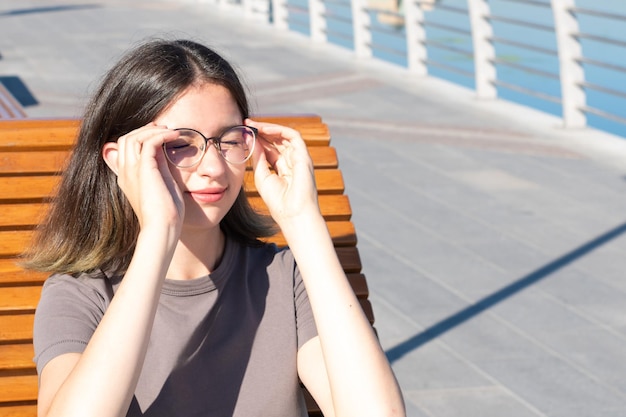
<point>492,239</point>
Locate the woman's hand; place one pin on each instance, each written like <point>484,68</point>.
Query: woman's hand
<point>144,176</point>
<point>283,173</point>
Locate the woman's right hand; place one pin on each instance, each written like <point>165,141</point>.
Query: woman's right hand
<point>143,175</point>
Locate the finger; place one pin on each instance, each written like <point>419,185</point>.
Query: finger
<point>283,146</point>
<point>260,164</point>
<point>276,134</point>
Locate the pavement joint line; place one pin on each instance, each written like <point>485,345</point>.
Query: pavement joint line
<point>315,92</point>
<point>427,127</point>
<point>302,83</point>
<point>454,139</point>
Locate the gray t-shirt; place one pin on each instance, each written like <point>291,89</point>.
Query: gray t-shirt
<point>221,345</point>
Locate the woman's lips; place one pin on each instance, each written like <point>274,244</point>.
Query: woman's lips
<point>208,196</point>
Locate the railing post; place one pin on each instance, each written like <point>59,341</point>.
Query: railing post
<point>484,52</point>
<point>318,20</point>
<point>571,71</point>
<point>415,37</point>
<point>361,27</point>
<point>280,14</point>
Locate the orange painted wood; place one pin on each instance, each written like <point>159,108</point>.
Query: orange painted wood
<point>19,299</point>
<point>16,328</point>
<point>18,410</point>
<point>17,357</point>
<point>22,214</point>
<point>61,134</point>
<point>328,181</point>
<point>33,162</point>
<point>11,273</point>
<point>13,242</point>
<point>18,388</point>
<point>30,161</point>
<point>27,188</point>
<point>333,207</point>
<point>15,188</point>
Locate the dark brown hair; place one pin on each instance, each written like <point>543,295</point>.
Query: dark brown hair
<point>91,224</point>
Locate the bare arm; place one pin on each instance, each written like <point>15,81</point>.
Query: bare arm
<point>74,384</point>
<point>355,378</point>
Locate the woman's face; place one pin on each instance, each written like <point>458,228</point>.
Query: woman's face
<point>211,186</point>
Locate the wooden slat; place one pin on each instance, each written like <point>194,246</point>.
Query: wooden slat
<point>17,357</point>
<point>328,181</point>
<point>350,259</point>
<point>32,162</point>
<point>25,188</point>
<point>323,157</point>
<point>19,299</point>
<point>60,138</point>
<point>38,124</point>
<point>18,388</point>
<point>11,273</point>
<point>341,232</point>
<point>359,285</point>
<point>13,242</point>
<point>17,327</point>
<point>333,207</point>
<point>18,410</point>
<point>367,309</point>
<point>22,214</point>
<point>43,134</point>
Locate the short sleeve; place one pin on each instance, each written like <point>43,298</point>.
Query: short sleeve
<point>67,315</point>
<point>305,321</point>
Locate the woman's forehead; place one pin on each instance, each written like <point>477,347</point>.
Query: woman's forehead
<point>206,107</point>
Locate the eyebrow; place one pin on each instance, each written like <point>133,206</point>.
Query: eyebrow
<point>221,130</point>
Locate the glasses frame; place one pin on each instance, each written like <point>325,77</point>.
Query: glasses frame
<point>217,142</point>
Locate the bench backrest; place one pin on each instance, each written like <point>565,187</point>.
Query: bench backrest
<point>33,153</point>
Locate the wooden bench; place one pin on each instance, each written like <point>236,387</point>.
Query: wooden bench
<point>32,153</point>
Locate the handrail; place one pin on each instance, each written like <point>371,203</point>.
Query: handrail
<point>415,22</point>
<point>531,3</point>
<point>524,45</point>
<point>598,13</point>
<point>519,22</point>
<point>448,28</point>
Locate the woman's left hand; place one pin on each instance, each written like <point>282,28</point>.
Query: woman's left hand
<point>283,173</point>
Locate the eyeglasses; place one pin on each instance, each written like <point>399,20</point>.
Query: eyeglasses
<point>235,145</point>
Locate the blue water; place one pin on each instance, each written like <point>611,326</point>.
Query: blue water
<point>389,43</point>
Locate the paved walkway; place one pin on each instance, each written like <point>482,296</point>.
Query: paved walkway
<point>493,241</point>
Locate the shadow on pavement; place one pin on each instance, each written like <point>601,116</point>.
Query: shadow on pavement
<point>398,351</point>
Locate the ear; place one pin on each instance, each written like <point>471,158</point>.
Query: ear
<point>109,154</point>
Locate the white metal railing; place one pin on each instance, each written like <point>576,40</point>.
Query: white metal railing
<point>410,25</point>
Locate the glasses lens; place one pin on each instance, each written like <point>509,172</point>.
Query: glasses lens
<point>237,144</point>
<point>187,150</point>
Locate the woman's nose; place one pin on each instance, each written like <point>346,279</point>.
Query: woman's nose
<point>212,163</point>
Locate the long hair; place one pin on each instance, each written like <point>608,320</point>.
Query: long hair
<point>91,225</point>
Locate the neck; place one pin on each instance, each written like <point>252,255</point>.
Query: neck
<point>197,254</point>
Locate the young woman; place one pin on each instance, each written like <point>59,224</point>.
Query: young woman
<point>162,301</point>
